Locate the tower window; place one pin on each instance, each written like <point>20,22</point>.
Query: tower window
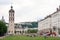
<point>13,14</point>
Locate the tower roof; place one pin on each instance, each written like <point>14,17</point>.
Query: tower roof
<point>11,7</point>
<point>11,10</point>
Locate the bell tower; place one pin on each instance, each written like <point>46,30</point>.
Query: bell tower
<point>11,21</point>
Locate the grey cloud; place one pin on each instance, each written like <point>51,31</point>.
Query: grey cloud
<point>27,10</point>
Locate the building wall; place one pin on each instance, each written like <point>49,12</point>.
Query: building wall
<point>56,22</point>
<point>52,21</point>
<point>44,24</point>
<point>18,29</point>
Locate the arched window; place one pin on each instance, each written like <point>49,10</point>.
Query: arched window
<point>54,28</point>
<point>20,31</point>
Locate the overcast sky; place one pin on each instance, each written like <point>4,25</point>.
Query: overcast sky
<point>28,10</point>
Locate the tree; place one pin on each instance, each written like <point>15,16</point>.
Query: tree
<point>32,30</point>
<point>3,28</point>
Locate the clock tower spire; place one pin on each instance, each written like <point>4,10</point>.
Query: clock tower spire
<point>11,21</point>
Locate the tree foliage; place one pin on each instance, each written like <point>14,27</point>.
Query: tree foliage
<point>3,28</point>
<point>32,31</point>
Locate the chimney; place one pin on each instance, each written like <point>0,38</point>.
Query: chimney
<point>57,9</point>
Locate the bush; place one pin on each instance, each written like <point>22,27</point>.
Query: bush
<point>32,31</point>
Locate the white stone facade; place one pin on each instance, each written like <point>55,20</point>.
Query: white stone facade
<point>50,22</point>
